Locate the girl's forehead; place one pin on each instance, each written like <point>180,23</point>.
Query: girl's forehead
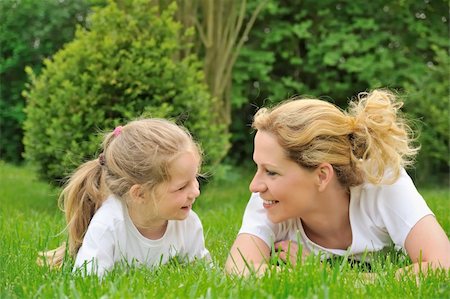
<point>184,164</point>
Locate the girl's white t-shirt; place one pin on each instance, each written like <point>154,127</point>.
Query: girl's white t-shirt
<point>379,217</point>
<point>112,237</point>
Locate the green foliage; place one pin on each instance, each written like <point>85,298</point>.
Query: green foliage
<point>30,31</point>
<point>428,102</point>
<point>335,49</point>
<point>123,67</point>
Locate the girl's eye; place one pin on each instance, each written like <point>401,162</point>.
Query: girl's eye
<point>182,188</point>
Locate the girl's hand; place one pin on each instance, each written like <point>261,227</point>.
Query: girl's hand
<point>288,250</point>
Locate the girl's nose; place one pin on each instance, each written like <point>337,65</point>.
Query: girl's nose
<point>195,191</point>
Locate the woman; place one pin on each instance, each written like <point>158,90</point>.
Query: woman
<point>334,181</point>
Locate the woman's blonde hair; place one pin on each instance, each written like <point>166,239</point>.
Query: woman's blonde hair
<point>137,153</point>
<point>361,143</point>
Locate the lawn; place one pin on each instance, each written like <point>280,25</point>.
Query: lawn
<point>30,221</point>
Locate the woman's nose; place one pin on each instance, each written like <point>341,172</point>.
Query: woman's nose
<point>256,185</point>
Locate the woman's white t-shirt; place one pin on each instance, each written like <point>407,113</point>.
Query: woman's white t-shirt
<point>112,237</point>
<point>379,217</point>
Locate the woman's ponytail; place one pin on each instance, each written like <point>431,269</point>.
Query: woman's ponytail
<point>381,139</point>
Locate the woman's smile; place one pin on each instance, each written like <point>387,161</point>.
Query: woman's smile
<point>269,203</point>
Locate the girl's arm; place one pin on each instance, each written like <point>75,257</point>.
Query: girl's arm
<point>96,253</point>
<point>248,254</point>
<point>195,239</point>
<point>427,246</point>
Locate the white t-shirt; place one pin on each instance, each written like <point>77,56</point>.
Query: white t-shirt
<point>112,237</point>
<point>379,217</point>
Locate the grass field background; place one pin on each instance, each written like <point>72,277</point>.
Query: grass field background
<point>30,222</point>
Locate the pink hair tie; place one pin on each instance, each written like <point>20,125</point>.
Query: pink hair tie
<point>117,131</point>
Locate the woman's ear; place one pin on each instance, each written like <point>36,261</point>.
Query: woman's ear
<point>137,193</point>
<point>325,173</point>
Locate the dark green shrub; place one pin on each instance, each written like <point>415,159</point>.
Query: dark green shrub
<point>428,102</point>
<point>124,66</point>
<point>30,30</point>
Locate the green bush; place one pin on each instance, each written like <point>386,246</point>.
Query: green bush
<point>125,65</point>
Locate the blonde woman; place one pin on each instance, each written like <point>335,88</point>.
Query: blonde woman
<point>335,182</point>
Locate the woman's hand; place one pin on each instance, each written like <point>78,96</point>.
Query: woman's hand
<point>288,250</point>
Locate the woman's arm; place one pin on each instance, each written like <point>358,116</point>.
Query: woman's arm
<point>248,254</point>
<point>427,246</point>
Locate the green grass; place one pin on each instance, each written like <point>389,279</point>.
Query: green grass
<point>30,221</point>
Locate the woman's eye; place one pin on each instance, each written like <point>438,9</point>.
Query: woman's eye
<point>270,173</point>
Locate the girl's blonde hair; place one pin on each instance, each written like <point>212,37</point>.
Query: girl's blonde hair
<point>137,153</point>
<point>361,143</point>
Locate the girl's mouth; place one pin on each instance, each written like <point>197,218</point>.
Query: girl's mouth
<point>188,207</point>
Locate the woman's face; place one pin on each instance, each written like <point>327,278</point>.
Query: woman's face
<point>288,190</point>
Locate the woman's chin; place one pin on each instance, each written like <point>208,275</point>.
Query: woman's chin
<point>275,219</point>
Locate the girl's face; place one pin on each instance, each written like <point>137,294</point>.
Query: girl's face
<point>288,190</point>
<point>176,197</point>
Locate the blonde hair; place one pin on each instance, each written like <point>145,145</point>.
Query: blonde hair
<point>361,143</point>
<point>137,153</point>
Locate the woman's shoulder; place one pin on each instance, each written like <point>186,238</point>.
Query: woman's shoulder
<point>402,185</point>
<point>395,196</point>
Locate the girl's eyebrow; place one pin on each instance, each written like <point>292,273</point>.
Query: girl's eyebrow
<point>184,182</point>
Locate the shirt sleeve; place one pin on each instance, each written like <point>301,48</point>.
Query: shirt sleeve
<point>401,206</point>
<point>255,221</point>
<point>96,253</point>
<point>196,240</point>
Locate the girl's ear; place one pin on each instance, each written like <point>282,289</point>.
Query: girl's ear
<point>137,193</point>
<point>325,173</point>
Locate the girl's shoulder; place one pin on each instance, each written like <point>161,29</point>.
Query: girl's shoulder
<point>193,219</point>
<point>190,224</point>
<point>110,213</point>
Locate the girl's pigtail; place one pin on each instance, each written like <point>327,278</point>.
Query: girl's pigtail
<point>81,198</point>
<point>380,137</point>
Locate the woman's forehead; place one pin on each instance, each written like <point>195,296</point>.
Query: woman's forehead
<point>267,148</point>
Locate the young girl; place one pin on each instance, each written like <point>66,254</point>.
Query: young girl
<point>334,181</point>
<point>133,203</point>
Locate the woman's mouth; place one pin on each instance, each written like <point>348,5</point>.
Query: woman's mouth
<point>269,203</point>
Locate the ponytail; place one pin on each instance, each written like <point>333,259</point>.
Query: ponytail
<point>81,198</point>
<point>380,138</point>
